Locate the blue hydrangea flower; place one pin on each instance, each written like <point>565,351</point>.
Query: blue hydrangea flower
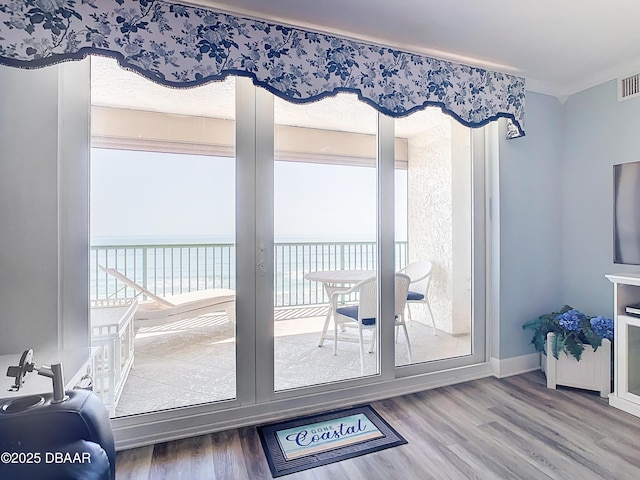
<point>602,326</point>
<point>571,320</point>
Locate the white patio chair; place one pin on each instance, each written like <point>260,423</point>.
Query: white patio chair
<point>363,315</point>
<point>157,310</point>
<point>420,273</point>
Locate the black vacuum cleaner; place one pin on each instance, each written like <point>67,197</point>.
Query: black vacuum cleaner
<point>58,435</point>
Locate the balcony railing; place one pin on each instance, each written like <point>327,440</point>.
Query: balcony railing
<point>180,268</point>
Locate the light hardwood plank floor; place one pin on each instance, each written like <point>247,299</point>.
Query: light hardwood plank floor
<point>514,428</point>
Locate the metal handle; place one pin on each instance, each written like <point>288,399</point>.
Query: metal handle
<point>58,383</point>
<point>56,374</point>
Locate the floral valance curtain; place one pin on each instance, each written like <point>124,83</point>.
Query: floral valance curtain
<point>183,46</point>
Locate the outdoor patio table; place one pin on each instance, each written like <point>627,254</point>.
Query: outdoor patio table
<point>336,281</point>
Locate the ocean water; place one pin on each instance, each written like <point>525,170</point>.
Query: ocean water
<point>186,265</point>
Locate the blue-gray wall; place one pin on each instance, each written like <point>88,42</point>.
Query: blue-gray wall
<point>530,224</point>
<point>556,208</point>
<point>600,132</point>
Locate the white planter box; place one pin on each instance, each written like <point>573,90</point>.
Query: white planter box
<point>592,372</point>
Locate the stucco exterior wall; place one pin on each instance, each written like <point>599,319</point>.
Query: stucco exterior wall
<point>439,213</point>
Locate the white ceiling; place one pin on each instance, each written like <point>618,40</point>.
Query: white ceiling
<point>560,46</point>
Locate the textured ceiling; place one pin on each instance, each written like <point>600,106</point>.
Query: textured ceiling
<point>115,87</point>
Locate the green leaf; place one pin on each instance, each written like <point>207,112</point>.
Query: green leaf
<point>532,324</point>
<point>539,341</point>
<point>574,347</point>
<point>557,344</point>
<point>541,326</point>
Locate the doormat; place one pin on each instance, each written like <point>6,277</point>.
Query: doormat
<point>308,442</point>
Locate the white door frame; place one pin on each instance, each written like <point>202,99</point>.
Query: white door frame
<point>256,401</point>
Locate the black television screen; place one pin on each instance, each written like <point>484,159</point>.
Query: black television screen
<point>626,213</point>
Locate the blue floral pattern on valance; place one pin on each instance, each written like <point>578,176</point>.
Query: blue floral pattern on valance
<point>180,45</point>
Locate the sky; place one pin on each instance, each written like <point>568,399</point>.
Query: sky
<point>147,196</point>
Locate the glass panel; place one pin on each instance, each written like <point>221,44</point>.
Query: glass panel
<point>162,255</point>
<point>325,239</point>
<point>433,175</point>
<point>633,361</point>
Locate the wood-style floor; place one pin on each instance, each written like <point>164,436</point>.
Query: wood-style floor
<point>514,428</point>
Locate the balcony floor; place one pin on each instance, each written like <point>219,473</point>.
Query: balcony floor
<point>193,361</point>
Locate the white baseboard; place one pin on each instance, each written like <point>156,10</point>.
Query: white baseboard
<point>515,365</point>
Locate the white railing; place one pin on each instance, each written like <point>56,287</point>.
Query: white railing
<point>178,268</point>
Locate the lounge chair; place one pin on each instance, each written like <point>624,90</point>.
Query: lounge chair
<point>157,310</point>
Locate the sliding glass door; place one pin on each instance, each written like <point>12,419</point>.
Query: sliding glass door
<point>303,214</point>
<point>325,238</point>
<point>343,179</point>
<point>163,249</point>
<point>437,214</point>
